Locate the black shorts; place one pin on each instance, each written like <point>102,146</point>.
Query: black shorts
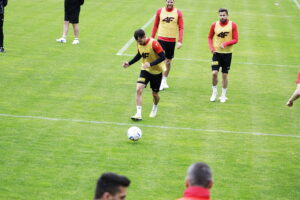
<point>72,15</point>
<point>169,48</point>
<point>155,80</point>
<point>221,60</point>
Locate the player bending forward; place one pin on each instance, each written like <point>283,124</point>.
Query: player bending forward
<point>152,56</point>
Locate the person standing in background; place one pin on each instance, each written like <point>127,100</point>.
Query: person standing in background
<point>72,11</point>
<point>222,36</point>
<point>3,3</point>
<point>168,23</point>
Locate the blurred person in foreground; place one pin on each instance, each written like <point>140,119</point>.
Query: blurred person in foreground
<point>111,186</point>
<point>198,182</point>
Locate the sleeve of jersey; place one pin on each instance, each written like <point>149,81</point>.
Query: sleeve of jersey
<point>156,23</point>
<point>210,36</point>
<point>180,26</point>
<point>235,36</point>
<point>298,81</point>
<point>157,47</point>
<point>136,58</point>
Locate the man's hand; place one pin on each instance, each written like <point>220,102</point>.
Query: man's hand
<point>222,46</point>
<point>212,50</point>
<point>179,45</point>
<point>146,65</point>
<point>125,64</point>
<point>290,103</point>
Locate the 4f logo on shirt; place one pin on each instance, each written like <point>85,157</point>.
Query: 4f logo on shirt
<point>168,19</point>
<point>223,34</point>
<point>145,55</point>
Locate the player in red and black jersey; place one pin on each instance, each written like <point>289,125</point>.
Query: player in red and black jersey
<point>222,36</point>
<point>72,11</point>
<point>168,24</point>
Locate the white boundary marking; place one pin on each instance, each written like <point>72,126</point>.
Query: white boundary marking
<point>131,40</point>
<point>297,3</point>
<point>241,63</point>
<point>151,126</point>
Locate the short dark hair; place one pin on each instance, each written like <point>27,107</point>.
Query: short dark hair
<point>110,182</point>
<point>140,33</point>
<point>199,174</point>
<point>223,10</point>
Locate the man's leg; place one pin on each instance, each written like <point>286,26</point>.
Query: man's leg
<point>156,99</point>
<point>1,33</point>
<point>168,67</point>
<point>225,69</point>
<point>139,91</point>
<point>214,85</point>
<point>65,32</point>
<point>66,29</point>
<point>223,97</point>
<point>169,48</point>
<point>166,73</point>
<point>76,33</point>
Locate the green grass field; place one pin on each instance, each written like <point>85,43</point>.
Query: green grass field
<point>55,99</point>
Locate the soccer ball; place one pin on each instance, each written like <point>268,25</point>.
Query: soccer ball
<point>134,133</point>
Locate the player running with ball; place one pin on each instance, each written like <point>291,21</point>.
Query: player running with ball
<point>152,56</point>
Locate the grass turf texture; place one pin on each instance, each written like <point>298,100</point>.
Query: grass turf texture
<point>43,159</point>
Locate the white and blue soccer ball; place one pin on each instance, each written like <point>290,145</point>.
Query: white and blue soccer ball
<point>134,133</point>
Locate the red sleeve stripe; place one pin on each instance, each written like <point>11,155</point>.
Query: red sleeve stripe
<point>180,26</point>
<point>157,47</point>
<point>156,23</point>
<point>298,81</point>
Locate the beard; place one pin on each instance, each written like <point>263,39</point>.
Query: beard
<point>223,20</point>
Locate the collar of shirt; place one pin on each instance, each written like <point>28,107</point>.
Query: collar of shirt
<point>169,9</point>
<point>225,23</point>
<point>197,191</point>
<point>147,40</point>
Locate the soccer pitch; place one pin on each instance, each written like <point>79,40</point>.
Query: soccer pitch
<point>65,109</point>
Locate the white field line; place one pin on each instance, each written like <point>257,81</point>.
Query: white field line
<point>297,3</point>
<point>131,40</point>
<point>240,63</point>
<point>151,126</point>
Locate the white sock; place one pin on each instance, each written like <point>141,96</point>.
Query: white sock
<point>224,92</point>
<point>164,78</point>
<point>154,107</point>
<point>214,88</point>
<point>76,38</point>
<point>139,110</point>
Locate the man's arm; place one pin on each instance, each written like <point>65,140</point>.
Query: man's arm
<point>136,58</point>
<point>294,97</point>
<point>160,52</point>
<point>235,36</point>
<point>210,37</point>
<point>180,26</point>
<point>156,23</point>
<point>161,58</point>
